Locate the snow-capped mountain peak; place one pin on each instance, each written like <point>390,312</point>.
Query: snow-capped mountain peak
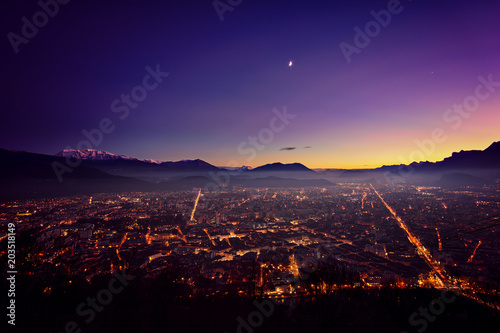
<point>99,155</point>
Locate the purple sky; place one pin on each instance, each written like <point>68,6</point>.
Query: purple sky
<point>226,77</point>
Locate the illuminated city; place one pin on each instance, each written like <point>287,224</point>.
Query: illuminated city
<point>277,231</point>
<point>250,166</point>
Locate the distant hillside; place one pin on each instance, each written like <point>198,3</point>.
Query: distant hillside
<point>476,159</point>
<point>122,165</point>
<point>292,167</point>
<point>29,175</point>
<point>98,155</point>
<point>465,159</point>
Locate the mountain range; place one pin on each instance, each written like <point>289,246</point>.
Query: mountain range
<point>25,175</point>
<point>86,171</point>
<point>98,155</point>
<point>464,159</point>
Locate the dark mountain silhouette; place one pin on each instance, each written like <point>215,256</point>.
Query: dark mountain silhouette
<point>122,165</point>
<point>97,155</point>
<point>29,175</point>
<point>464,168</point>
<point>476,159</point>
<point>292,167</point>
<point>189,165</point>
<point>26,175</point>
<point>465,159</point>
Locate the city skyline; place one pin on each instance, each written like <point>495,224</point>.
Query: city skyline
<point>211,79</point>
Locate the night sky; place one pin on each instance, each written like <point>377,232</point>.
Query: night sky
<point>225,78</point>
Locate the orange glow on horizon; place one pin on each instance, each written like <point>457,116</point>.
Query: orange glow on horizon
<point>371,157</point>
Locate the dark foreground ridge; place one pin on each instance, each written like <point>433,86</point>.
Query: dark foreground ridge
<point>160,305</point>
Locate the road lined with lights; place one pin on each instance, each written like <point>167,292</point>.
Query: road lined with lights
<point>195,205</point>
<point>444,281</point>
<point>422,251</point>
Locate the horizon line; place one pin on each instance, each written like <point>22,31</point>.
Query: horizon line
<point>269,163</point>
